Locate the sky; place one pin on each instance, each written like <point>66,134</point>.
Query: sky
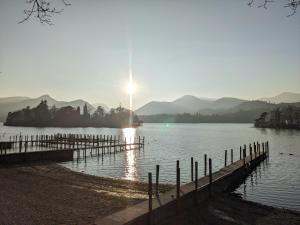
<point>203,48</point>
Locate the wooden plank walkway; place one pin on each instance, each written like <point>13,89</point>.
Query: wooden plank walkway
<point>168,204</point>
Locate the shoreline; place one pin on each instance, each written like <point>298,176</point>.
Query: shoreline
<point>48,193</point>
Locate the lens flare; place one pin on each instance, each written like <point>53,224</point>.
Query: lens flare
<point>131,88</point>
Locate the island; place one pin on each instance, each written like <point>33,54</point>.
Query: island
<point>44,116</point>
<point>281,118</point>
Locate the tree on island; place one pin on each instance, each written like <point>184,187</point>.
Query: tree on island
<point>68,116</point>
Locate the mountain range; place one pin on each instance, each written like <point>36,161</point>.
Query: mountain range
<point>11,104</point>
<point>205,106</point>
<point>185,104</point>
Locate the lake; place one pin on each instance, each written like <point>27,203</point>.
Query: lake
<point>275,182</point>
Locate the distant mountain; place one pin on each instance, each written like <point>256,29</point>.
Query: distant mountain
<point>13,99</point>
<point>188,104</point>
<point>192,104</point>
<point>206,106</point>
<point>285,97</point>
<point>226,103</point>
<point>153,108</point>
<point>12,104</point>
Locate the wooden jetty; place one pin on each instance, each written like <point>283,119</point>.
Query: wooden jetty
<point>160,207</point>
<point>64,147</point>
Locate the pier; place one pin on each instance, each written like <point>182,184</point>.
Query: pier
<point>64,147</point>
<point>161,207</point>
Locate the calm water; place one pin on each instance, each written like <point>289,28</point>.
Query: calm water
<point>275,182</point>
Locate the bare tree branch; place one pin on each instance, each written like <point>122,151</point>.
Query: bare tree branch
<point>42,10</point>
<point>292,4</point>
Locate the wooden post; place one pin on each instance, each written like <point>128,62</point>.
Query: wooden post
<point>225,164</point>
<point>177,184</point>
<point>150,191</point>
<point>196,182</point>
<point>157,180</point>
<point>192,168</point>
<point>205,164</point>
<point>177,164</point>
<point>240,152</point>
<point>231,153</point>
<point>210,176</point>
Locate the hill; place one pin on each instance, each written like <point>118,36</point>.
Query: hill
<point>11,104</point>
<point>285,97</point>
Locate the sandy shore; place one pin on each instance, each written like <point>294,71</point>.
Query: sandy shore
<point>51,194</point>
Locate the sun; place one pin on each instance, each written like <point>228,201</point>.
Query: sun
<point>131,88</point>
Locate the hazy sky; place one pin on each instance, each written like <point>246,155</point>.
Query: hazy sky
<point>204,48</point>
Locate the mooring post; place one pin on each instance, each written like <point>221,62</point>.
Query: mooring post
<point>178,185</point>
<point>231,154</point>
<point>150,191</point>
<point>210,176</point>
<point>225,164</point>
<point>196,181</point>
<point>263,148</point>
<point>244,156</point>
<point>177,164</point>
<point>157,180</point>
<point>240,152</point>
<point>205,164</point>
<point>150,199</point>
<point>20,144</point>
<point>192,168</point>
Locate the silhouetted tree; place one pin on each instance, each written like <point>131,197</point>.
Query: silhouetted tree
<point>69,117</point>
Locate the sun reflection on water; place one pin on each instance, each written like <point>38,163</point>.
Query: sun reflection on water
<point>130,157</point>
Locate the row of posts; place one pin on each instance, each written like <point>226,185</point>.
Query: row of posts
<point>194,170</point>
<point>68,141</point>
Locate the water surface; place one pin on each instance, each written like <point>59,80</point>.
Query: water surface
<point>275,182</point>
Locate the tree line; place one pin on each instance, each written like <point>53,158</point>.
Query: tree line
<point>45,116</point>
